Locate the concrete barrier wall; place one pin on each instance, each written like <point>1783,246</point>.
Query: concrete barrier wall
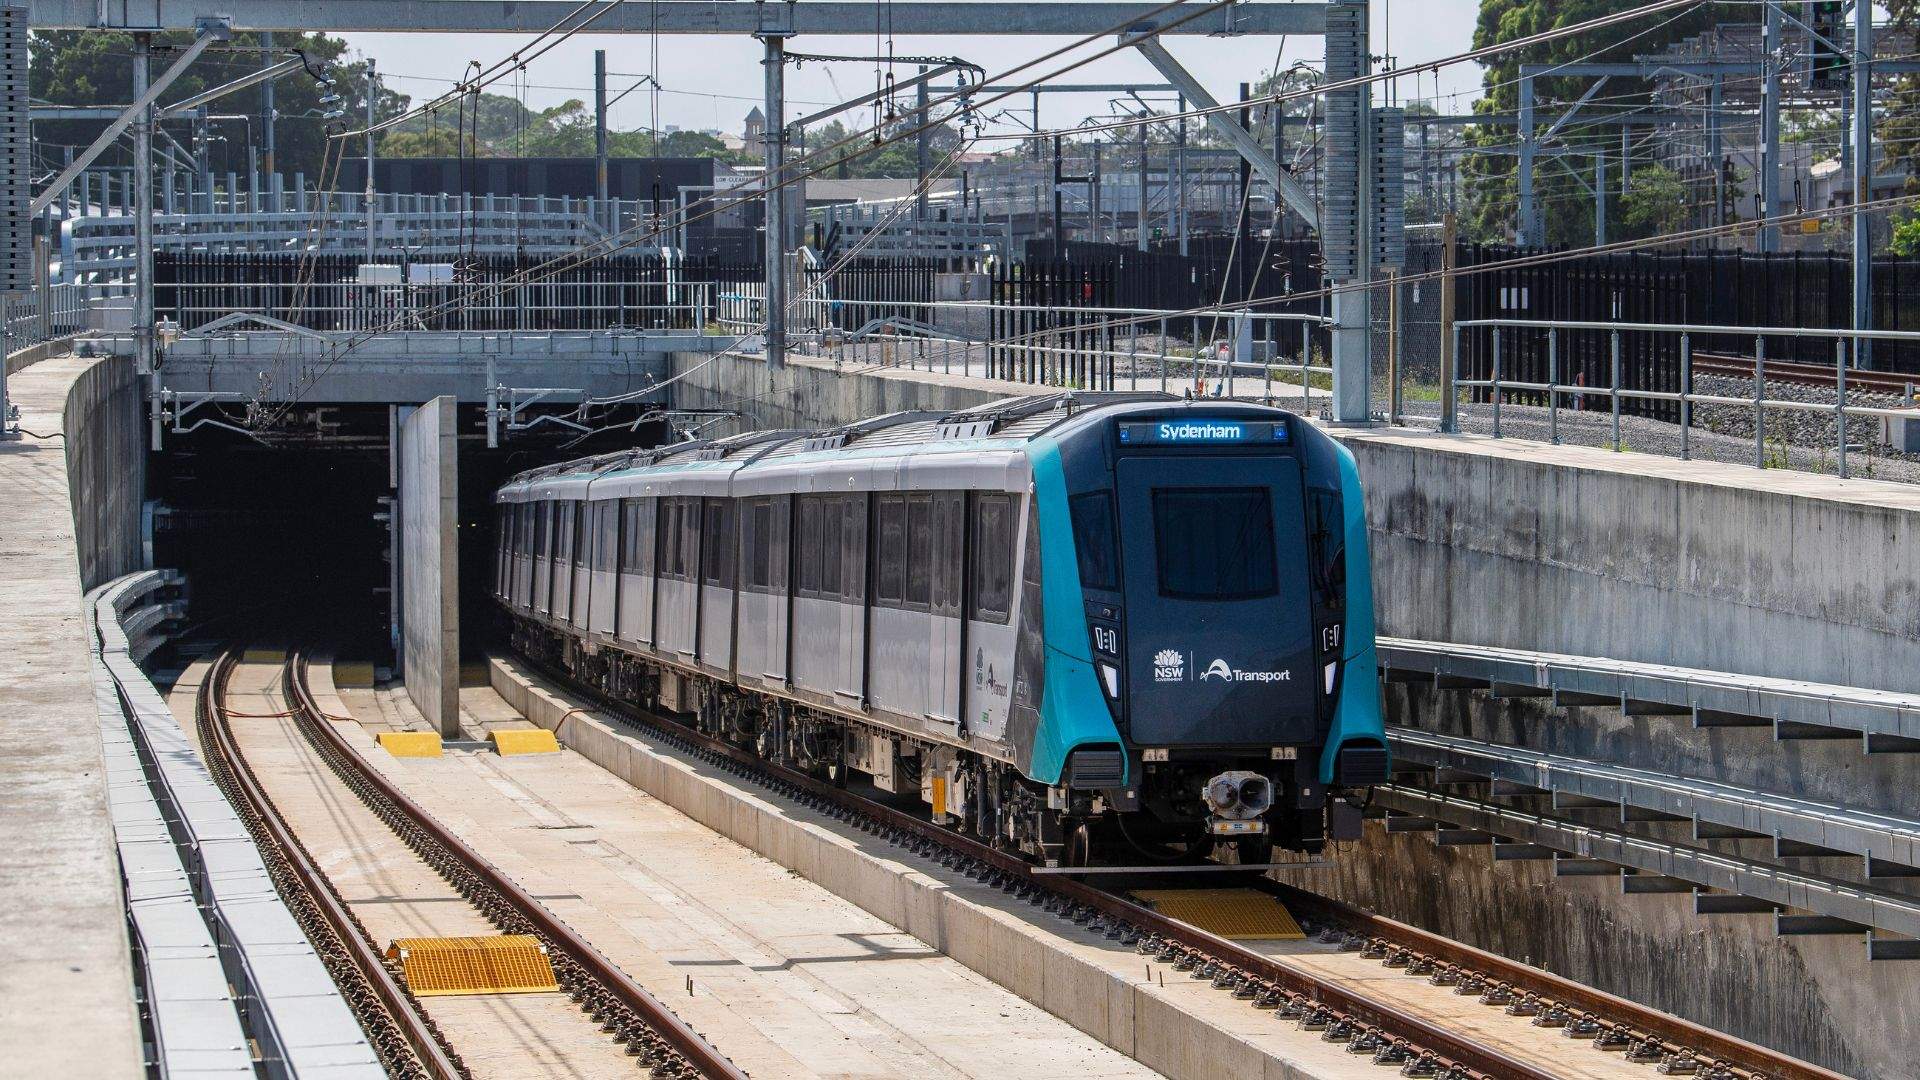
<point>430,563</point>
<point>105,427</point>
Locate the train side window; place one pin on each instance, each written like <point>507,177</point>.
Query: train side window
<point>992,569</point>
<point>690,539</point>
<point>636,534</point>
<point>756,545</point>
<point>542,530</point>
<point>890,551</point>
<point>563,532</point>
<point>716,537</point>
<point>1093,540</point>
<point>920,552</point>
<point>810,542</point>
<point>854,542</point>
<point>949,518</point>
<point>606,546</point>
<point>780,517</point>
<point>669,538</point>
<point>832,565</point>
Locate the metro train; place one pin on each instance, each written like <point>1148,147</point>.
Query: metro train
<point>1090,627</point>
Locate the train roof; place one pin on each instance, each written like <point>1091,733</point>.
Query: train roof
<point>1010,421</point>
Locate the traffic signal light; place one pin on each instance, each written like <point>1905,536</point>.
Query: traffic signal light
<point>1827,61</point>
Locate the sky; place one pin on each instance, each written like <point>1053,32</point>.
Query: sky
<point>711,82</point>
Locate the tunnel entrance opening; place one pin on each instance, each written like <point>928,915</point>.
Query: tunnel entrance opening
<point>287,533</point>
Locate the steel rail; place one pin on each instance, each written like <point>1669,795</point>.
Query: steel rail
<point>1804,373</point>
<point>1249,974</point>
<point>271,832</point>
<point>1680,1035</point>
<point>697,1053</point>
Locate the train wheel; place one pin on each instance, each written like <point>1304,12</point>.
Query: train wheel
<point>1079,846</point>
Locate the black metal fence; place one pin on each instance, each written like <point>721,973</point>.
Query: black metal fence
<point>1062,344</point>
<point>1800,290</point>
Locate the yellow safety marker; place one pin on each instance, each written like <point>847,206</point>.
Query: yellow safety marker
<point>353,674</point>
<point>507,964</point>
<point>510,741</point>
<point>410,743</point>
<point>264,656</point>
<point>1235,914</point>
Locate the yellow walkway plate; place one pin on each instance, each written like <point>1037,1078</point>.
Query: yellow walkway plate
<point>508,741</point>
<point>1237,914</point>
<point>353,674</point>
<point>410,743</point>
<point>508,964</point>
<point>264,656</point>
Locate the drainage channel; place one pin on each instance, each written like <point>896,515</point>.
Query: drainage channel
<point>651,1034</point>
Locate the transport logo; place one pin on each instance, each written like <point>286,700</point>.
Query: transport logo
<point>1169,666</point>
<point>1226,672</point>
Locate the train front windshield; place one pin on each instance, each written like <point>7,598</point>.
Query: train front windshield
<point>1218,610</point>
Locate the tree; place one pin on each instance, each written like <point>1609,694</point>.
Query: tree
<point>1655,202</point>
<point>1492,178</point>
<point>94,67</point>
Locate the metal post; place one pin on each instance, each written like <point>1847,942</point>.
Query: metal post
<point>920,146</point>
<point>1496,382</point>
<point>143,215</point>
<point>1059,231</point>
<point>1616,390</point>
<point>1686,397</point>
<point>1553,384</point>
<point>1862,191</point>
<point>1093,196</point>
<point>1449,330</point>
<point>372,94</point>
<point>1393,347</point>
<point>774,139</point>
<point>600,136</point>
<point>267,117</point>
<point>1163,354</point>
<point>1600,194</point>
<point>1713,151</point>
<point>1140,197</point>
<point>1525,232</point>
<point>1769,239</point>
<point>1759,394</point>
<point>1840,384</point>
<point>1180,182</point>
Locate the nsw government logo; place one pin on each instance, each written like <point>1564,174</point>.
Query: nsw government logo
<point>1169,666</point>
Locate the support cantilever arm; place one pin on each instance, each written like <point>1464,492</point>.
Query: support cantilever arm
<point>932,73</point>
<point>208,35</point>
<point>250,79</point>
<point>1263,163</point>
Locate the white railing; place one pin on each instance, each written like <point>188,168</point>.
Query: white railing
<point>1846,349</point>
<point>1254,353</point>
<point>475,305</point>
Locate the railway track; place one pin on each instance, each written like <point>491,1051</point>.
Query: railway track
<point>404,1035</point>
<point>1821,375</point>
<point>1392,1035</point>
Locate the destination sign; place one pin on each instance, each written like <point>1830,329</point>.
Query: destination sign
<point>1202,431</point>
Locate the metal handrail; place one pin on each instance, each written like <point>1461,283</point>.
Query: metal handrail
<point>1759,403</point>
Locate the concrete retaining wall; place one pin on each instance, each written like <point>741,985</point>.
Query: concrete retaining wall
<point>104,424</point>
<point>430,563</point>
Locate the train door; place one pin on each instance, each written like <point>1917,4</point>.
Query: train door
<point>717,566</point>
<point>946,565</point>
<point>564,536</point>
<point>762,598</point>
<point>543,557</point>
<point>602,603</point>
<point>636,570</point>
<point>852,682</point>
<point>1219,642</point>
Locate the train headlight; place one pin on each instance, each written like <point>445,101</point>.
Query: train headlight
<point>1238,795</point>
<point>1110,679</point>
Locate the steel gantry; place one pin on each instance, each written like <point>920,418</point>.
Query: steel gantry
<point>1140,24</point>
